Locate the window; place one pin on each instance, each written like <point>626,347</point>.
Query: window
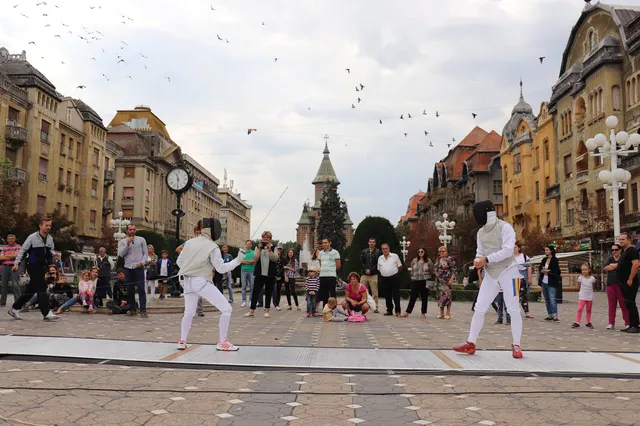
<point>584,201</point>
<point>592,40</point>
<point>547,182</point>
<point>44,131</point>
<point>568,167</point>
<point>42,169</point>
<point>67,210</point>
<point>536,158</point>
<point>570,212</point>
<point>106,162</point>
<point>79,151</point>
<point>615,97</point>
<point>96,157</point>
<point>59,208</point>
<point>537,222</point>
<point>146,195</point>
<point>63,142</point>
<point>60,175</point>
<point>497,187</point>
<point>597,159</point>
<point>146,215</point>
<point>499,211</point>
<point>14,116</point>
<point>548,220</point>
<point>506,174</point>
<point>537,191</point>
<point>92,218</point>
<point>148,175</point>
<point>68,178</point>
<point>634,196</point>
<point>94,188</point>
<point>75,214</point>
<point>127,213</point>
<point>127,193</point>
<point>601,203</point>
<point>129,172</point>
<point>42,205</point>
<point>582,158</point>
<point>506,204</point>
<point>516,164</point>
<point>545,150</point>
<point>76,184</point>
<point>71,147</point>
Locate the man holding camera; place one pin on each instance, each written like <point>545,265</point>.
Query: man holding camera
<point>264,274</point>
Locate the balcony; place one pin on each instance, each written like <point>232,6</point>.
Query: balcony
<point>630,162</point>
<point>16,175</point>
<point>582,177</point>
<point>553,191</point>
<point>109,177</point>
<point>108,206</point>
<point>468,197</point>
<point>15,136</point>
<point>61,186</point>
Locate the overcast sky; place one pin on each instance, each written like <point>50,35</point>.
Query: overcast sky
<point>454,56</point>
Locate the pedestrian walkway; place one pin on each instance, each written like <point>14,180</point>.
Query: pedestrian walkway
<point>322,359</point>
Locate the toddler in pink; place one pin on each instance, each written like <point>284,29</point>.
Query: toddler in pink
<point>86,290</point>
<point>585,297</point>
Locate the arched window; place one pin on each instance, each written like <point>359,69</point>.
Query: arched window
<point>582,165</point>
<point>600,101</point>
<point>592,40</point>
<point>634,88</point>
<point>569,120</point>
<point>562,125</point>
<point>628,93</point>
<point>581,110</point>
<point>597,160</point>
<point>615,97</point>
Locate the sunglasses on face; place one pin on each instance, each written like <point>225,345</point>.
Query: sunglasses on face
<point>615,249</point>
<point>420,251</point>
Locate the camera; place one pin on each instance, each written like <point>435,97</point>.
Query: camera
<point>262,245</point>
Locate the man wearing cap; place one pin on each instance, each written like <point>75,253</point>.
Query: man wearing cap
<point>196,262</point>
<point>496,239</point>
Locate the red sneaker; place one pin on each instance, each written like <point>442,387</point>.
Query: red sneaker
<point>308,315</point>
<point>466,348</point>
<point>517,352</point>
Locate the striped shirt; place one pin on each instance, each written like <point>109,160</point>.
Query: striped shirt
<point>9,250</point>
<point>313,284</point>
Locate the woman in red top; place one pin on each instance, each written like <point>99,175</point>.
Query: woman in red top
<point>355,295</point>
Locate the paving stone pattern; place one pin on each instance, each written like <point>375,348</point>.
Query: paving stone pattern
<point>154,396</point>
<point>292,328</point>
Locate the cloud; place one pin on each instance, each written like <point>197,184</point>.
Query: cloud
<point>455,57</point>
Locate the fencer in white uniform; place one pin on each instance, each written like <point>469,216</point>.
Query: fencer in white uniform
<point>496,239</point>
<point>196,262</point>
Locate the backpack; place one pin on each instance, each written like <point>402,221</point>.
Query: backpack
<point>357,317</point>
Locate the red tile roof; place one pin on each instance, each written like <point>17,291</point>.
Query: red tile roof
<point>412,208</point>
<point>475,137</point>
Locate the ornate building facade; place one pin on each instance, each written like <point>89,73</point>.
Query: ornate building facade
<point>308,223</point>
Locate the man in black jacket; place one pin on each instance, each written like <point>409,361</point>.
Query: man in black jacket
<point>103,286</point>
<point>119,304</point>
<point>369,260</point>
<point>264,274</point>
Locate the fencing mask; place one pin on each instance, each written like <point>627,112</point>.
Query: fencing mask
<point>215,226</point>
<point>480,210</point>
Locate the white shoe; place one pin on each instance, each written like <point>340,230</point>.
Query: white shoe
<point>15,314</point>
<point>182,345</point>
<point>266,315</point>
<point>243,304</point>
<point>250,314</point>
<point>51,317</point>
<point>226,346</point>
<point>278,308</point>
<point>610,327</point>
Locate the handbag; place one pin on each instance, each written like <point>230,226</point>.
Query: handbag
<point>152,275</point>
<point>286,278</point>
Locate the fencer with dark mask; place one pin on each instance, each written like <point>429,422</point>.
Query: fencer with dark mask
<point>496,239</point>
<point>196,262</point>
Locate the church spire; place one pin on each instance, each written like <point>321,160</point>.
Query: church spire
<point>521,97</point>
<point>326,145</point>
<point>326,173</point>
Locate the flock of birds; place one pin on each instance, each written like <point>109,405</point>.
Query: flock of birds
<point>94,36</point>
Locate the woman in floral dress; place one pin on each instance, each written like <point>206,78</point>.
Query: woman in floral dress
<point>445,269</point>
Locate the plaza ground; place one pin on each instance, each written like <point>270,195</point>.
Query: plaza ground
<point>51,392</point>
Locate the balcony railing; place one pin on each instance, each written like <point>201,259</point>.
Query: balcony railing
<point>44,136</point>
<point>109,177</point>
<point>108,206</point>
<point>553,191</point>
<point>16,175</point>
<point>582,177</point>
<point>15,136</point>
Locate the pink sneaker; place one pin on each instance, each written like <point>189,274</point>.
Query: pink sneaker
<point>308,315</point>
<point>226,346</point>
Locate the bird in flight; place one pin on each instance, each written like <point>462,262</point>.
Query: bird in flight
<point>32,42</point>
<point>361,86</point>
<point>405,134</point>
<point>249,131</point>
<point>145,67</point>
<point>81,87</point>
<point>44,14</point>
<point>57,35</point>
<point>426,133</point>
<point>380,121</point>
<point>359,100</point>
<point>41,4</point>
<point>16,6</point>
<point>92,59</point>
<point>168,79</point>
<point>474,115</point>
<point>431,144</point>
<point>357,90</point>
<point>122,60</point>
<point>48,25</point>
<point>123,43</point>
<point>214,9</point>
<point>62,62</point>
<point>275,59</point>
<point>130,78</point>
<point>448,145</point>
<point>348,70</point>
<point>64,25</point>
<point>409,115</point>
<point>219,38</point>
<point>437,114</point>
<point>143,56</point>
<point>424,112</point>
<point>542,58</point>
<point>24,15</point>
<point>353,106</point>
<point>262,22</point>
<point>453,139</point>
<point>401,116</point>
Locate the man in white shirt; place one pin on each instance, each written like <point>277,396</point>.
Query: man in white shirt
<point>389,266</point>
<point>134,251</point>
<point>496,239</point>
<point>329,267</point>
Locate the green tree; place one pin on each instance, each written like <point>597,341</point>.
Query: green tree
<point>108,241</point>
<point>9,200</point>
<point>465,242</point>
<point>63,231</point>
<point>332,214</point>
<point>157,240</point>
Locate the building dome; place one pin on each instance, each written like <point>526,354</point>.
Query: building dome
<point>522,111</point>
<point>522,107</point>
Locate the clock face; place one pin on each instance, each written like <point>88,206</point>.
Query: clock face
<point>178,179</point>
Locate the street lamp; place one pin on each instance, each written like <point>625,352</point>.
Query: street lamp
<point>620,144</point>
<point>119,223</point>
<point>443,227</point>
<point>405,246</point>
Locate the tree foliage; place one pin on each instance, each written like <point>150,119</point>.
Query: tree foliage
<point>424,234</point>
<point>465,239</point>
<point>108,241</point>
<point>534,241</point>
<point>372,226</point>
<point>332,215</point>
<point>63,231</point>
<point>9,200</point>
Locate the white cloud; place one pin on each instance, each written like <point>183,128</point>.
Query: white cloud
<point>453,56</point>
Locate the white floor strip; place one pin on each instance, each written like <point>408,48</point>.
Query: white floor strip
<point>323,359</point>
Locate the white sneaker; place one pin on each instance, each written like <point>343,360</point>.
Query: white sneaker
<point>243,304</point>
<point>15,314</point>
<point>250,314</point>
<point>610,327</point>
<point>278,308</point>
<point>51,316</point>
<point>266,315</point>
<point>226,346</point>
<point>182,345</point>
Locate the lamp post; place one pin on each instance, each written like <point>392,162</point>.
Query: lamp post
<point>119,223</point>
<point>620,144</point>
<point>443,227</point>
<point>405,248</point>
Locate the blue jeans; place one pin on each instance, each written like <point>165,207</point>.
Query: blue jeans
<point>69,303</point>
<point>502,308</point>
<point>549,294</point>
<point>135,278</point>
<point>14,277</point>
<point>311,303</point>
<point>229,282</point>
<point>246,279</point>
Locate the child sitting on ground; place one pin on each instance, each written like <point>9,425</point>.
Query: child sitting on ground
<point>334,313</point>
<point>86,290</point>
<point>313,286</point>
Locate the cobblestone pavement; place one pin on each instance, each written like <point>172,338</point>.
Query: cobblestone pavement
<point>80,394</point>
<point>292,328</point>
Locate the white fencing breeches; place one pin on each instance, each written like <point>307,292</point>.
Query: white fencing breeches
<point>195,287</point>
<point>509,282</point>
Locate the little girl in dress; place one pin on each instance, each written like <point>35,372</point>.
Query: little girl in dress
<point>585,298</point>
<point>86,290</point>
